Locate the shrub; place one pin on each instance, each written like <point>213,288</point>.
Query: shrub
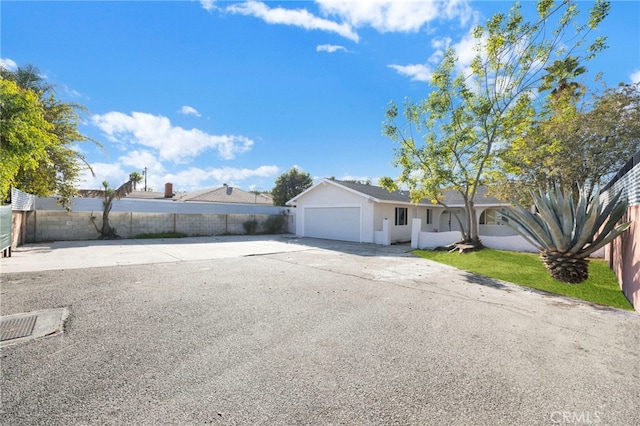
<point>250,226</point>
<point>275,224</point>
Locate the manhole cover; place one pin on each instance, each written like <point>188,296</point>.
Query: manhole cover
<point>14,328</point>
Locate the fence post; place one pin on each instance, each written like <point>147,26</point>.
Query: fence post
<point>416,227</point>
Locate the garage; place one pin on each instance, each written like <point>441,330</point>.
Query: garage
<point>332,223</point>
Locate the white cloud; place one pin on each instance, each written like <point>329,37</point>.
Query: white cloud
<point>117,173</point>
<point>195,178</point>
<point>461,10</point>
<point>342,16</point>
<point>296,17</point>
<point>466,50</point>
<point>439,45</point>
<point>187,110</point>
<point>8,64</point>
<point>330,48</point>
<point>138,160</point>
<point>417,72</point>
<point>396,15</point>
<point>190,179</point>
<point>635,76</point>
<point>173,143</point>
<point>208,5</point>
<point>114,174</point>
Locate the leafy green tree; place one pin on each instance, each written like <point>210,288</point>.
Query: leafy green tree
<point>25,134</point>
<point>56,165</point>
<point>290,184</point>
<point>578,141</point>
<point>109,194</point>
<point>452,137</point>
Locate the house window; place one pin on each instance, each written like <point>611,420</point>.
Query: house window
<point>429,218</point>
<point>402,216</point>
<point>491,217</point>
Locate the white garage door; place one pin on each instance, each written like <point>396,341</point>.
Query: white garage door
<point>332,223</point>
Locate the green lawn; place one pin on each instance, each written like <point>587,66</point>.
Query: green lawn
<point>526,269</point>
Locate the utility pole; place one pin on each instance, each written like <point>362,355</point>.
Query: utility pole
<point>144,172</point>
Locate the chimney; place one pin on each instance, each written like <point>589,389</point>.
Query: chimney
<point>168,190</point>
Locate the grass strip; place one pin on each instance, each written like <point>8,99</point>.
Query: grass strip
<point>526,269</point>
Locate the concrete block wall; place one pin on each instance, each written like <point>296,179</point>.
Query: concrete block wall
<point>145,223</point>
<point>59,225</point>
<point>50,225</point>
<point>201,224</point>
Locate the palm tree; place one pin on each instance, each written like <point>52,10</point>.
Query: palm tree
<point>135,178</point>
<point>108,195</point>
<point>560,78</point>
<point>566,233</point>
<point>28,78</point>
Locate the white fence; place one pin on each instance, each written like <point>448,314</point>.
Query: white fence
<point>128,205</point>
<point>431,240</point>
<point>21,201</point>
<point>628,181</point>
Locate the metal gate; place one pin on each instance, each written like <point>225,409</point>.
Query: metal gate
<point>5,231</point>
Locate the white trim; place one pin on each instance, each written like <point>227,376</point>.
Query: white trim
<point>334,183</point>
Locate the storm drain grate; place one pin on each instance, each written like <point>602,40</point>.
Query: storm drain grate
<point>14,328</point>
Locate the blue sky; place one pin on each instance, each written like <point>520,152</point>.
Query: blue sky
<point>209,92</point>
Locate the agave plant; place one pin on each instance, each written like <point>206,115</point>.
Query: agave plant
<point>566,233</point>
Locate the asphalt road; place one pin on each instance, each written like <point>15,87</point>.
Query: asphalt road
<point>310,332</point>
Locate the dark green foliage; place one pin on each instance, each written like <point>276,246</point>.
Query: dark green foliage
<point>290,184</point>
<point>275,224</point>
<point>250,226</point>
<point>48,163</point>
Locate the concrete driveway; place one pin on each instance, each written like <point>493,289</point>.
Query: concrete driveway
<point>250,331</point>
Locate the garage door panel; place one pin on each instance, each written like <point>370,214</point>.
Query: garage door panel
<point>333,223</point>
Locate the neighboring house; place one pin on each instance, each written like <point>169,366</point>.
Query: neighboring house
<point>348,211</point>
<point>218,200</point>
<point>148,195</point>
<point>227,194</point>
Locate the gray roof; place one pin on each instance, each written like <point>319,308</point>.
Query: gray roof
<point>455,198</point>
<point>380,193</point>
<point>451,197</point>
